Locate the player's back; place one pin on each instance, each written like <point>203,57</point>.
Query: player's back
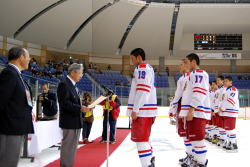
<point>200,98</point>
<point>196,95</point>
<point>142,95</point>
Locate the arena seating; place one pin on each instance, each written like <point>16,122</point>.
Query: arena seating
<point>112,80</point>
<point>84,85</point>
<point>115,80</point>
<point>161,80</point>
<point>241,81</point>
<point>3,59</point>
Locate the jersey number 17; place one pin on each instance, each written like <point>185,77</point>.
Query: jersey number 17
<point>198,78</point>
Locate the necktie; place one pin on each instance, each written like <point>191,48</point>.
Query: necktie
<point>77,90</point>
<point>78,93</point>
<point>27,91</point>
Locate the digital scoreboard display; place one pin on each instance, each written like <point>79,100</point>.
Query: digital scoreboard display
<point>217,41</point>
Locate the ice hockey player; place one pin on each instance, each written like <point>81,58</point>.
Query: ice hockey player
<point>196,111</point>
<point>222,132</point>
<point>142,106</point>
<point>218,131</point>
<point>175,108</point>
<point>229,110</point>
<point>210,129</point>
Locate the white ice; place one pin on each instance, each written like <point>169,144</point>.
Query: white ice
<point>168,147</point>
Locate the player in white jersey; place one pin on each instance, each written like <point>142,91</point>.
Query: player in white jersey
<point>142,106</point>
<point>175,108</point>
<point>210,125</point>
<point>213,129</point>
<point>229,109</point>
<point>222,132</point>
<point>196,110</point>
<point>218,131</point>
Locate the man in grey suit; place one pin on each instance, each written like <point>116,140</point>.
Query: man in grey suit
<point>15,107</point>
<point>71,112</point>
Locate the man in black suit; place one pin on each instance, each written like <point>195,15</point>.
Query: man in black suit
<point>15,107</point>
<point>71,112</point>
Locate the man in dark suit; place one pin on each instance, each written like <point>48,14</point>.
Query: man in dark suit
<point>71,112</point>
<point>15,107</point>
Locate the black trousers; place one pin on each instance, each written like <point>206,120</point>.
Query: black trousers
<point>112,124</point>
<point>86,128</point>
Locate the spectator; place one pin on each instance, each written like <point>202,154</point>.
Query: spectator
<point>95,67</point>
<point>118,83</point>
<point>131,75</point>
<point>155,69</point>
<point>59,70</point>
<point>90,65</point>
<point>34,60</point>
<point>109,68</point>
<point>88,119</point>
<point>167,71</point>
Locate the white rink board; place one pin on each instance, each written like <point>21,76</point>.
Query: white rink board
<point>163,112</point>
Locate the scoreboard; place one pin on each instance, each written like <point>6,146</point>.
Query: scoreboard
<point>217,41</point>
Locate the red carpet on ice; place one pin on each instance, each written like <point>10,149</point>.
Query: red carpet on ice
<point>94,154</point>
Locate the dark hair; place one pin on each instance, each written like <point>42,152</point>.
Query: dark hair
<point>213,81</point>
<point>45,84</point>
<point>229,78</point>
<point>138,52</point>
<point>221,77</point>
<point>87,95</point>
<point>195,57</point>
<point>15,52</point>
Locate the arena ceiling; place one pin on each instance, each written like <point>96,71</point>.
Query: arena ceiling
<point>104,26</point>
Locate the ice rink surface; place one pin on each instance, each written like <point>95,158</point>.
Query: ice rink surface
<point>168,147</point>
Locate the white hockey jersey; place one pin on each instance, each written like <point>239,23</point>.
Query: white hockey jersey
<point>196,94</point>
<point>221,98</point>
<point>178,93</point>
<point>216,99</point>
<point>212,99</point>
<point>142,97</point>
<point>230,104</point>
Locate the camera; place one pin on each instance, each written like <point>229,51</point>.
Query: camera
<point>108,92</point>
<point>44,95</point>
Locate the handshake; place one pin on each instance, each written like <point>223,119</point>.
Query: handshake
<point>85,109</point>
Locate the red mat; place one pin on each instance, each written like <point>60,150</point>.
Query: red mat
<point>94,154</point>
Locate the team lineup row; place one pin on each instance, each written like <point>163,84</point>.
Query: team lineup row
<point>204,111</point>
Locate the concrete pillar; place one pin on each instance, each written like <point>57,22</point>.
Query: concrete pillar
<point>233,66</point>
<point>86,60</point>
<point>44,56</point>
<point>4,51</point>
<point>25,45</point>
<point>161,64</point>
<point>126,65</point>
